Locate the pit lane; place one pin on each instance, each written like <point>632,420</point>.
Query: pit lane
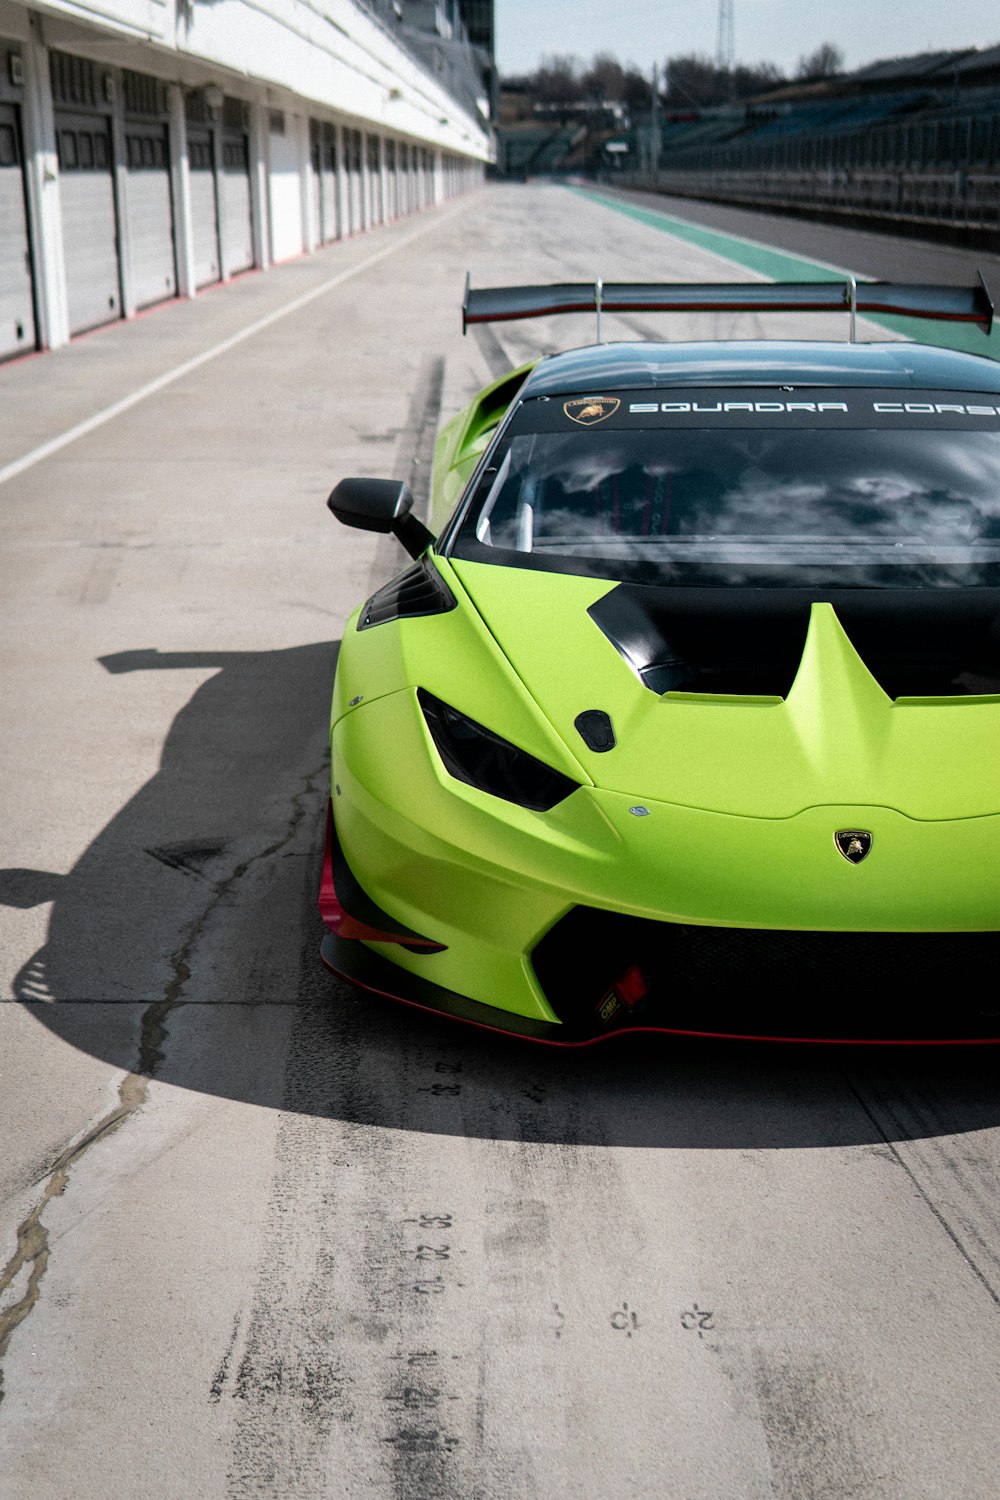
<point>264,1235</point>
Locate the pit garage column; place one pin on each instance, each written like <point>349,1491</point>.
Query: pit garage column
<point>259,206</point>
<point>43,193</point>
<point>180,174</point>
<point>343,205</point>
<point>308,183</point>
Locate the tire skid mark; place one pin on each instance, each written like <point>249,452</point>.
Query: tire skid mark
<point>810,1411</point>
<point>221,1378</point>
<point>497,360</point>
<point>413,461</point>
<point>362,1276</point>
<point>421,431</point>
<point>351,1381</point>
<point>916,1124</point>
<point>291,1388</point>
<point>32,1248</point>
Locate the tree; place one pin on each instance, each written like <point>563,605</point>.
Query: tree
<point>558,80</point>
<point>637,92</point>
<point>755,79</point>
<point>604,80</point>
<point>693,81</point>
<point>607,82</point>
<point>823,63</point>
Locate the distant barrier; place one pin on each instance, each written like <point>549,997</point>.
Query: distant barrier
<point>967,202</point>
<point>942,172</point>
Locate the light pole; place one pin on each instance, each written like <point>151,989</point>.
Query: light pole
<point>724,47</point>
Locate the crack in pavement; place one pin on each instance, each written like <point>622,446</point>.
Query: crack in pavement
<point>31,1252</point>
<point>32,1248</point>
<point>154,1032</point>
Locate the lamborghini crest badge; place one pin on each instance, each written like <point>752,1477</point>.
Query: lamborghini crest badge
<point>589,410</point>
<point>854,844</point>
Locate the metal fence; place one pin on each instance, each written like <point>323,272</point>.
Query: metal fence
<point>943,172</point>
<point>956,140</point>
<point>958,199</point>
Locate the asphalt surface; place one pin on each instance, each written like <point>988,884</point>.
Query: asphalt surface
<point>907,257</point>
<point>263,1236</point>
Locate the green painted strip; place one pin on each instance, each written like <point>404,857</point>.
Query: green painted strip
<point>778,265</point>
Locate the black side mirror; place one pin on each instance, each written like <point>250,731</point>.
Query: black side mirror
<point>381,505</point>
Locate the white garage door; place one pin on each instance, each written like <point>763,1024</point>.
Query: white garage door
<point>316,176</point>
<point>17,315</point>
<point>237,225</point>
<point>204,206</point>
<point>90,229</point>
<point>352,149</point>
<point>374,163</point>
<point>328,170</point>
<point>149,210</point>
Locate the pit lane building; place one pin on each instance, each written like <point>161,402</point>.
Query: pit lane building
<point>150,148</point>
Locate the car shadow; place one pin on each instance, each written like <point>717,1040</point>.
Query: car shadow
<point>184,945</point>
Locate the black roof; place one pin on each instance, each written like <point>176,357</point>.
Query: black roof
<point>899,365</point>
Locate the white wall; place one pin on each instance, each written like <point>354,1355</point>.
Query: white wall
<point>327,52</point>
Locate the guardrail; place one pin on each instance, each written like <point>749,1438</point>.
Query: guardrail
<point>964,202</point>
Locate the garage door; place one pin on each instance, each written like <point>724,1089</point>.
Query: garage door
<point>17,314</point>
<point>323,156</point>
<point>90,227</point>
<point>328,167</point>
<point>204,205</point>
<point>149,209</point>
<point>316,175</point>
<point>406,183</point>
<point>352,150</point>
<point>374,162</point>
<point>237,232</point>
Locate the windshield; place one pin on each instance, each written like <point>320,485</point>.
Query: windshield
<point>863,493</point>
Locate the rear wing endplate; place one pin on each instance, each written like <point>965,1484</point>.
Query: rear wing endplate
<point>949,304</point>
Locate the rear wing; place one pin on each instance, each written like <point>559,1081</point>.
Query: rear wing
<point>950,304</point>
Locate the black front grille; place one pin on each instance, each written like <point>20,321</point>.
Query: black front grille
<point>603,970</point>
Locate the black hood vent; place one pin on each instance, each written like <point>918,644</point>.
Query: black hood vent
<point>933,643</point>
<point>419,591</point>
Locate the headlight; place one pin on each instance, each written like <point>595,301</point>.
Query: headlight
<point>482,759</point>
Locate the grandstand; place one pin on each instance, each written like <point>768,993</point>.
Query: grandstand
<point>908,141</point>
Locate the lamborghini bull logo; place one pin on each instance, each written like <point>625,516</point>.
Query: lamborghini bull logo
<point>589,410</point>
<point>854,844</point>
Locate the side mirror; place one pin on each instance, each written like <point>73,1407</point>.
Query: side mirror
<point>381,505</point>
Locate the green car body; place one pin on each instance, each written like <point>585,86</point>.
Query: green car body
<point>819,862</point>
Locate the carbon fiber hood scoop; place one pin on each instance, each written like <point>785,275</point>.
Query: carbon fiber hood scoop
<point>762,706</point>
<point>916,643</point>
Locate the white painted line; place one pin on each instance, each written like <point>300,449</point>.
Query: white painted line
<point>108,413</point>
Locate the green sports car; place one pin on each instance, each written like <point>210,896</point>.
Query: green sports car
<point>686,716</point>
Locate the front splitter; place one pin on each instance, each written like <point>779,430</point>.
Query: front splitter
<point>362,966</point>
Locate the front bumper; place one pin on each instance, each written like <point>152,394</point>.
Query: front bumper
<point>604,974</point>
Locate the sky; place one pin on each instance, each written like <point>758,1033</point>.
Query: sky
<point>642,32</point>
